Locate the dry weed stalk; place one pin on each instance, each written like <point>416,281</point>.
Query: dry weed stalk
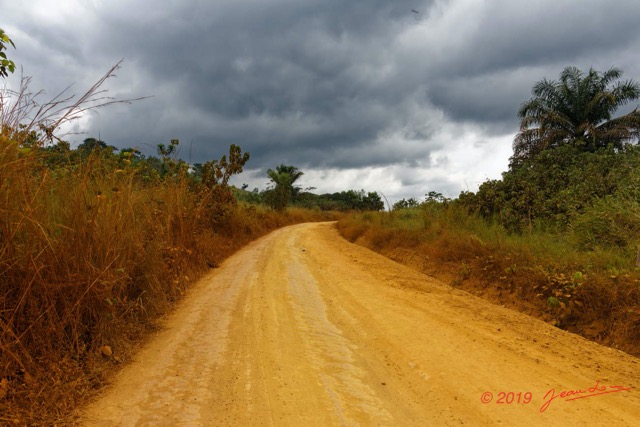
<point>21,110</point>
<point>54,250</point>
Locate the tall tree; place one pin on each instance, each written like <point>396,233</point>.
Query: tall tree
<point>372,201</point>
<point>292,171</point>
<point>90,144</point>
<point>283,178</point>
<point>577,110</point>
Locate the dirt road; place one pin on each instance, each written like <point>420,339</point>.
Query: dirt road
<point>302,328</point>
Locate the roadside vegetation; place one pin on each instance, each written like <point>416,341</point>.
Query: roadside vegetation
<point>558,236</point>
<point>96,244</point>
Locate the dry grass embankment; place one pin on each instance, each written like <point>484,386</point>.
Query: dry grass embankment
<point>92,252</point>
<point>592,293</point>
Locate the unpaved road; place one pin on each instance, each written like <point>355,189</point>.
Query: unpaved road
<point>302,328</point>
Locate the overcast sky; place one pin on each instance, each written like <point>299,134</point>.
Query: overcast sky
<point>357,94</point>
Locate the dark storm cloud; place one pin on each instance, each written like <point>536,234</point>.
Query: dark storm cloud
<point>484,62</point>
<point>320,83</point>
<point>506,34</point>
<point>491,101</point>
<point>307,79</point>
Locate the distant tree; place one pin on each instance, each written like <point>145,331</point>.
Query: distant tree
<point>435,197</point>
<point>167,152</point>
<point>213,184</point>
<point>293,171</point>
<point>578,110</point>
<point>94,146</point>
<point>218,172</point>
<point>295,174</point>
<point>6,65</point>
<point>254,197</point>
<point>56,155</point>
<point>196,171</point>
<point>351,200</point>
<point>372,202</point>
<point>90,144</point>
<point>132,154</point>
<point>282,179</point>
<point>405,204</point>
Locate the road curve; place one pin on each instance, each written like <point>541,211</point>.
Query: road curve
<point>302,328</point>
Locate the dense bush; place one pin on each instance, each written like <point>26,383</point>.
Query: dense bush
<point>558,186</point>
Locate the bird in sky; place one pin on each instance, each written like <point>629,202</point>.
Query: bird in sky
<point>414,11</point>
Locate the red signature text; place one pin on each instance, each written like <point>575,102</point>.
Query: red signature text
<point>567,395</point>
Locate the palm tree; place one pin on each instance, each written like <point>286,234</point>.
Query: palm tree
<point>283,179</point>
<point>577,110</point>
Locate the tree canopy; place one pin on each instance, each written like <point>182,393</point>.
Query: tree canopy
<point>577,110</point>
<point>283,178</point>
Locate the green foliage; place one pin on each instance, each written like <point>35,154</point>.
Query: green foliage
<point>349,200</point>
<point>6,65</point>
<point>282,179</point>
<point>405,204</point>
<point>92,145</point>
<point>170,165</point>
<point>166,151</point>
<point>609,222</point>
<point>215,175</point>
<point>372,202</point>
<point>558,187</point>
<point>218,172</point>
<point>254,197</point>
<point>578,110</point>
<point>432,197</point>
<point>435,197</point>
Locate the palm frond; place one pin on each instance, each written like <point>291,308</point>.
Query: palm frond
<point>577,109</point>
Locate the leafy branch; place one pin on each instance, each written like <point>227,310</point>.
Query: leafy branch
<point>6,65</point>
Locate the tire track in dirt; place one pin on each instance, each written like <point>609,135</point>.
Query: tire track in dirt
<point>302,327</point>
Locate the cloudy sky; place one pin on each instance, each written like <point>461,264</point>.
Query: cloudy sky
<point>357,94</point>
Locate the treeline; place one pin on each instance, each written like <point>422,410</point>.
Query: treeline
<point>593,197</point>
<point>344,201</point>
<point>282,192</point>
<point>349,200</point>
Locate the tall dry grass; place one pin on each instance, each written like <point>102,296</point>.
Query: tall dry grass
<point>92,250</point>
